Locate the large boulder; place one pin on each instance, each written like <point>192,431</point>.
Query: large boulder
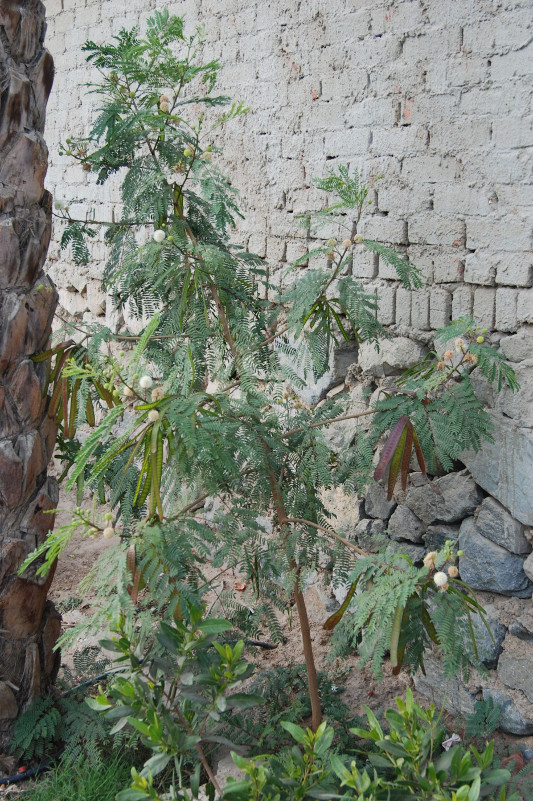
<point>515,671</point>
<point>446,500</point>
<point>504,467</point>
<point>439,534</point>
<point>512,720</point>
<point>489,640</point>
<point>495,523</point>
<point>487,566</point>
<point>376,503</point>
<point>405,525</point>
<point>394,356</point>
<point>450,693</point>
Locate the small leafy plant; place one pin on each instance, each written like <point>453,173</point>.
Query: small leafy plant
<point>407,763</point>
<point>175,693</point>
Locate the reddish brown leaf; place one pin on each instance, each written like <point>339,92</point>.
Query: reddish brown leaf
<point>390,447</point>
<point>396,461</point>
<point>406,458</point>
<point>419,454</point>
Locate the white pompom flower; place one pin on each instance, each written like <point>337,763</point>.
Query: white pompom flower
<point>159,235</point>
<point>145,382</point>
<point>440,579</point>
<point>153,415</point>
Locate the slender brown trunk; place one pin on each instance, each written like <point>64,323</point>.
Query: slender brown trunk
<point>29,624</point>
<point>312,680</point>
<point>305,631</point>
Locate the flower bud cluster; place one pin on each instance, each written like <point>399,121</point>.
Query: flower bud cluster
<point>440,577</point>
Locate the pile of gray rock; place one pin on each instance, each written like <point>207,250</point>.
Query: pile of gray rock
<point>496,561</point>
<point>485,509</point>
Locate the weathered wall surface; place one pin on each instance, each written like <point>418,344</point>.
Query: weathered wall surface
<point>436,95</point>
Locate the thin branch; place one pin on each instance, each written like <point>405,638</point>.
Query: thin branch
<point>305,630</point>
<point>329,532</point>
<point>108,223</point>
<point>328,421</point>
<point>201,754</point>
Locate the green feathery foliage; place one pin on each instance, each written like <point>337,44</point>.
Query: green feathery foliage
<point>211,462</point>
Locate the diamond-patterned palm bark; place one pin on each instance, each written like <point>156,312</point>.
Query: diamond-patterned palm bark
<point>29,624</point>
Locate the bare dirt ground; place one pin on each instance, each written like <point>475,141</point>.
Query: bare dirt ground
<point>361,688</point>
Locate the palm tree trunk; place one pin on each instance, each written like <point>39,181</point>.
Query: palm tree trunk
<point>29,624</point>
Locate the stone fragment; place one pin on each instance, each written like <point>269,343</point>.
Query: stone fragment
<point>504,467</point>
<point>415,553</point>
<point>515,671</point>
<point>522,628</point>
<point>363,527</point>
<point>512,721</point>
<point>376,503</point>
<point>451,693</point>
<point>437,535</point>
<point>519,346</point>
<point>371,534</point>
<point>8,703</point>
<point>489,647</point>
<point>378,528</point>
<point>447,499</point>
<point>339,435</point>
<point>487,566</point>
<point>394,356</point>
<point>518,405</point>
<point>528,567</point>
<point>495,523</point>
<point>405,525</point>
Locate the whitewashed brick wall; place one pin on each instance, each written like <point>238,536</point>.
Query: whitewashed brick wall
<point>434,94</point>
